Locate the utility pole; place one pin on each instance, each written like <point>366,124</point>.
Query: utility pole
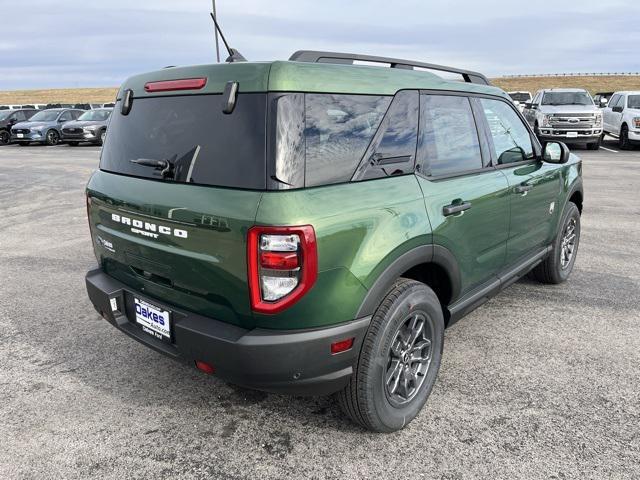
<point>213,4</point>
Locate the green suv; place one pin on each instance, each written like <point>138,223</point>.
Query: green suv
<point>311,226</point>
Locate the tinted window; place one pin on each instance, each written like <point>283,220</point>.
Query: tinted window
<point>286,141</point>
<point>338,129</point>
<point>511,139</point>
<point>633,101</point>
<point>205,145</point>
<point>392,151</point>
<point>448,141</point>
<point>614,101</point>
<point>20,116</point>
<point>65,117</point>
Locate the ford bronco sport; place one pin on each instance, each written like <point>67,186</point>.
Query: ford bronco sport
<point>311,226</point>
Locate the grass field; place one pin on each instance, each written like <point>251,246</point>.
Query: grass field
<point>594,84</point>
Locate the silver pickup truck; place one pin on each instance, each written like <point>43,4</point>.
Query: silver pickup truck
<point>565,114</point>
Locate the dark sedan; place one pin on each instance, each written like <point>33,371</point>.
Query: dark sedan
<point>90,127</point>
<point>8,118</point>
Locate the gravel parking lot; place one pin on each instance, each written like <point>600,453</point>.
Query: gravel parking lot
<point>541,382</point>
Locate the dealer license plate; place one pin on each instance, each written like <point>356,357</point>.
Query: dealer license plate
<point>572,134</point>
<point>153,320</point>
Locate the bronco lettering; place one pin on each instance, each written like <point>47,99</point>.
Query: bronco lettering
<point>149,227</point>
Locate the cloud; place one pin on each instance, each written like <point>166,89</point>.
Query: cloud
<point>101,43</point>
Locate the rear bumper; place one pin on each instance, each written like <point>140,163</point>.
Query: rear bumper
<point>295,362</point>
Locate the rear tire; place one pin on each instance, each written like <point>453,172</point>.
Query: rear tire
<point>558,265</point>
<point>399,360</point>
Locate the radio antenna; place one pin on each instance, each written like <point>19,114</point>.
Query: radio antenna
<point>213,6</point>
<point>234,55</point>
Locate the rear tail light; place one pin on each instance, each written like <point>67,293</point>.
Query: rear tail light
<point>636,122</point>
<point>283,266</point>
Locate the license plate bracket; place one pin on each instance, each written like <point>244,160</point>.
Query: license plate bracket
<point>152,319</point>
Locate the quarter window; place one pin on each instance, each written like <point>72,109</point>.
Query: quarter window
<point>448,142</point>
<point>511,139</point>
<point>393,149</point>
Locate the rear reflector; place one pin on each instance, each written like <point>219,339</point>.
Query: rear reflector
<point>205,367</point>
<point>279,260</point>
<point>172,85</point>
<point>342,345</point>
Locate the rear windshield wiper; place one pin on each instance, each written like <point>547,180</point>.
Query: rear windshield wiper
<point>165,166</point>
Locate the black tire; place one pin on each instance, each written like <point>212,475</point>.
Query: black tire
<point>623,140</point>
<point>102,135</point>
<point>595,145</point>
<point>553,269</point>
<point>367,399</point>
<point>5,137</point>
<point>52,138</point>
<point>74,144</point>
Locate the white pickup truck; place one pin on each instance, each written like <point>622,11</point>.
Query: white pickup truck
<point>622,118</point>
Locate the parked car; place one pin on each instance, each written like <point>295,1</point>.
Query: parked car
<point>566,114</point>
<point>520,98</point>
<point>622,118</point>
<point>298,241</point>
<point>601,99</point>
<point>9,118</point>
<point>43,127</point>
<point>90,127</point>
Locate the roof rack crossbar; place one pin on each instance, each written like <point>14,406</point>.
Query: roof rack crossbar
<point>313,56</point>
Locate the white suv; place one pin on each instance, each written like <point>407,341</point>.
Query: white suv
<point>622,118</point>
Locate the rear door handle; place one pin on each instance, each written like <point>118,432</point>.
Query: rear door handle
<point>523,189</point>
<point>455,208</point>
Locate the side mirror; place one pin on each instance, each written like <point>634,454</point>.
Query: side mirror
<point>617,109</point>
<point>13,121</point>
<point>555,152</point>
<point>528,104</point>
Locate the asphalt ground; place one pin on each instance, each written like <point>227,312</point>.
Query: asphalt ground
<point>540,382</point>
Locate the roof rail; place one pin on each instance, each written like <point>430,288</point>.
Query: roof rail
<point>313,56</point>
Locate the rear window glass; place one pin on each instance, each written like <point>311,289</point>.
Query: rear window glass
<point>338,129</point>
<point>203,145</point>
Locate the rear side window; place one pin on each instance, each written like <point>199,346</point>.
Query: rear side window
<point>338,129</point>
<point>448,142</point>
<point>511,139</point>
<point>204,145</point>
<point>393,149</point>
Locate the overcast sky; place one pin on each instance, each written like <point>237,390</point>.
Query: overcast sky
<point>76,43</point>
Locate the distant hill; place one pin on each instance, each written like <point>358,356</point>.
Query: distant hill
<point>59,95</point>
<point>593,83</point>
